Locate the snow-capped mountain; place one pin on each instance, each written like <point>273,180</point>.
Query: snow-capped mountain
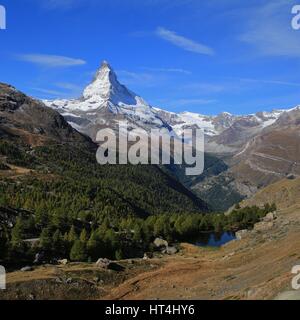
<point>214,125</point>
<point>106,103</point>
<point>188,120</point>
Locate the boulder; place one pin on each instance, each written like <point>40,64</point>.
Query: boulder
<point>63,262</point>
<point>109,265</point>
<point>228,256</point>
<point>31,297</point>
<point>271,216</point>
<point>39,258</point>
<point>291,177</point>
<point>103,263</point>
<point>263,226</point>
<point>171,250</point>
<point>69,281</point>
<point>27,269</point>
<point>58,280</point>
<point>159,243</point>
<point>147,256</point>
<point>242,234</point>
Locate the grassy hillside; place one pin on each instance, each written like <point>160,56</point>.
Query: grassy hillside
<point>285,193</point>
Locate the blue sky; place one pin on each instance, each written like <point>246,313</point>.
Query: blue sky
<point>205,56</point>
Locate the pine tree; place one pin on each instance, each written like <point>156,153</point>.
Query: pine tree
<point>111,243</point>
<point>137,236</point>
<point>17,234</point>
<point>119,254</point>
<point>57,243</point>
<point>95,246</point>
<point>66,237</point>
<point>18,248</point>
<point>3,244</point>
<point>84,236</point>
<point>72,236</point>
<point>78,252</point>
<point>46,240</point>
<point>41,216</point>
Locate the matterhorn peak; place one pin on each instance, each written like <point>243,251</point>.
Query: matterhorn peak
<point>103,84</point>
<point>105,71</point>
<point>105,63</point>
<point>106,94</point>
<point>105,87</point>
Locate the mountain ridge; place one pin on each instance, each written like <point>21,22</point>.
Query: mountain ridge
<point>244,146</point>
<point>105,101</point>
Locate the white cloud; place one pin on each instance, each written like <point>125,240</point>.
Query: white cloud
<point>68,86</point>
<point>168,70</point>
<point>184,43</point>
<point>272,82</point>
<point>48,92</point>
<point>50,61</point>
<point>140,79</point>
<point>202,87</point>
<point>67,90</point>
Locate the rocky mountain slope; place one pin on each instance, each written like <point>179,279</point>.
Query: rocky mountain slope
<point>255,155</point>
<point>271,155</point>
<point>28,121</point>
<point>274,153</point>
